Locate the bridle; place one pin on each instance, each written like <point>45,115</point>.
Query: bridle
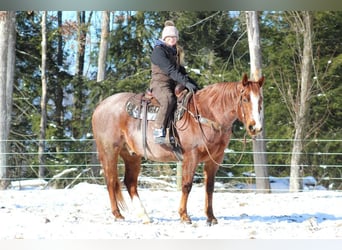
<point>241,106</point>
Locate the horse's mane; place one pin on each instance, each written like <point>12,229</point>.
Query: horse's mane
<point>219,93</point>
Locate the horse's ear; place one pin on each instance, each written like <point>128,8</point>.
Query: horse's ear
<point>244,79</point>
<point>261,81</point>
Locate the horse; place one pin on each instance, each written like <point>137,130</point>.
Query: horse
<point>204,132</point>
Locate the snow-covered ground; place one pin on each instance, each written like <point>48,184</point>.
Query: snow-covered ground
<point>83,212</point>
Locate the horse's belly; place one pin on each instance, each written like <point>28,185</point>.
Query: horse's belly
<point>151,150</point>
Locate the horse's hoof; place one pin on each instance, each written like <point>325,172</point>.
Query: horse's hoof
<point>212,222</point>
<point>119,218</point>
<point>118,215</point>
<point>146,220</point>
<point>186,221</point>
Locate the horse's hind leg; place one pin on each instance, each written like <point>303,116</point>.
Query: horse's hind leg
<point>108,159</point>
<point>188,173</point>
<point>210,170</point>
<point>132,170</point>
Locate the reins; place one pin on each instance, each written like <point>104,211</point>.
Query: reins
<point>144,127</point>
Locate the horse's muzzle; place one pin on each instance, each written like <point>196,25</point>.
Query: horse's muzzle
<point>254,130</point>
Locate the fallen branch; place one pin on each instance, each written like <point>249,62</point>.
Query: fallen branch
<point>77,177</point>
<point>28,183</point>
<point>57,176</point>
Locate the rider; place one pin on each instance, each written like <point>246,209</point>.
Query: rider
<point>167,71</point>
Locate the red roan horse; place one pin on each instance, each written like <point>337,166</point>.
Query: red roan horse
<point>118,134</point>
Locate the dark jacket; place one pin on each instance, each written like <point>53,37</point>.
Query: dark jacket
<point>165,65</point>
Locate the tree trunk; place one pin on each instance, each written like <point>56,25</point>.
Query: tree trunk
<point>101,73</point>
<point>81,42</point>
<point>7,64</point>
<point>259,147</point>
<point>59,112</point>
<point>10,69</point>
<point>79,125</point>
<point>43,102</point>
<point>304,25</point>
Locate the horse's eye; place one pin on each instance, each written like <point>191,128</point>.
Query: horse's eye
<point>245,99</point>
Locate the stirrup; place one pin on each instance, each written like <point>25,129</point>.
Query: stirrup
<point>158,132</point>
<point>159,135</point>
<point>160,140</point>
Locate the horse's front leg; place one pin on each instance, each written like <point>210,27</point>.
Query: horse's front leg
<point>210,170</point>
<point>187,179</point>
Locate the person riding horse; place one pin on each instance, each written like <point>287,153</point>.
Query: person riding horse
<point>167,71</point>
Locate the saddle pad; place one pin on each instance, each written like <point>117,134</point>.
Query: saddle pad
<point>135,110</point>
<point>134,106</point>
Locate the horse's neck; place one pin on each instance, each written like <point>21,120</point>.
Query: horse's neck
<point>219,103</point>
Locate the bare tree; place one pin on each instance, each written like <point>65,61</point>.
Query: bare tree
<point>43,102</point>
<point>259,147</point>
<point>7,64</point>
<point>303,26</point>
<point>59,92</point>
<point>101,65</point>
<point>297,98</point>
<point>81,42</point>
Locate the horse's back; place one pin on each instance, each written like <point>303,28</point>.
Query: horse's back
<point>108,104</point>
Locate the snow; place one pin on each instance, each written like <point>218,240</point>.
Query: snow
<point>83,212</point>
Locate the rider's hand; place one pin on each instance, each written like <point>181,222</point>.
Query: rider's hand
<point>190,86</point>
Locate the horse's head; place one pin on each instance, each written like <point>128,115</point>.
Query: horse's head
<point>250,104</point>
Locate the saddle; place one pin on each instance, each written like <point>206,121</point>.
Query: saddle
<point>145,106</point>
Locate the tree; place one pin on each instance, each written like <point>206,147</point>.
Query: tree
<point>259,147</point>
<point>101,66</point>
<point>79,87</point>
<point>58,91</point>
<point>7,62</point>
<point>303,25</point>
<point>43,101</point>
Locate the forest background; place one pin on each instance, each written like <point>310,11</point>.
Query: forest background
<point>216,49</point>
